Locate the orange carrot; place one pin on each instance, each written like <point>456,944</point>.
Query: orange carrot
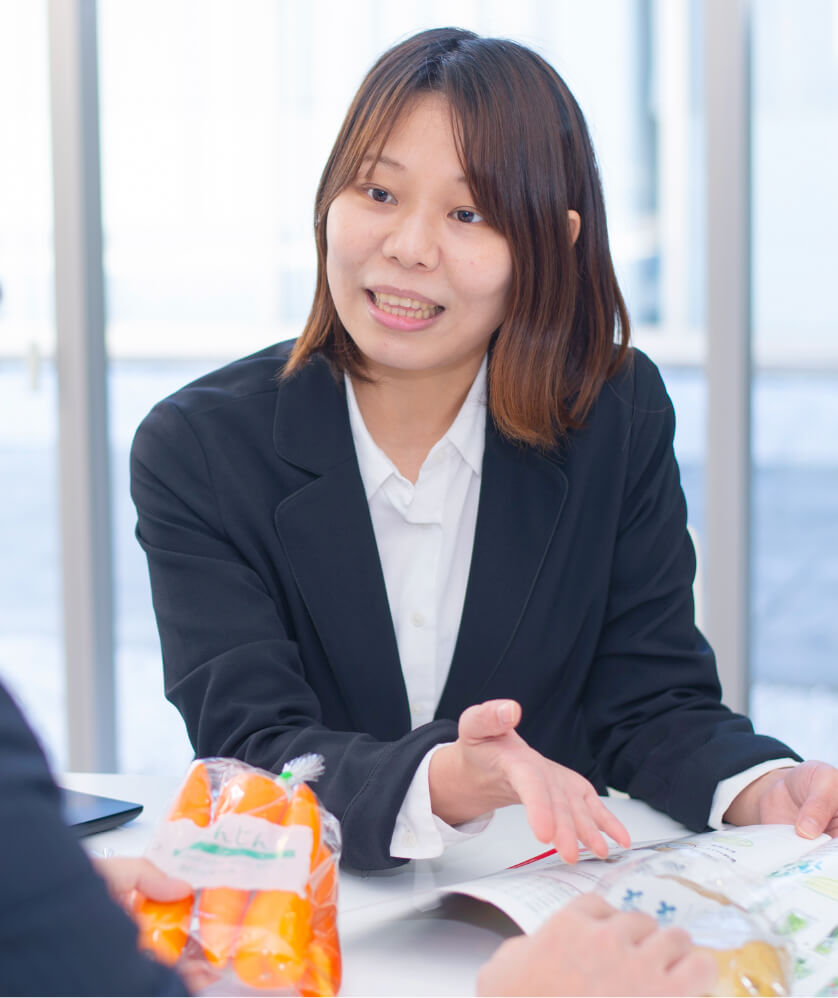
<point>277,929</point>
<point>304,810</point>
<point>323,971</point>
<point>274,940</point>
<point>323,882</point>
<point>164,925</point>
<point>220,913</point>
<point>323,963</point>
<point>195,798</point>
<point>254,794</point>
<point>221,909</point>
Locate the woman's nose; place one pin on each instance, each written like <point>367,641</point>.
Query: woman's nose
<point>412,241</point>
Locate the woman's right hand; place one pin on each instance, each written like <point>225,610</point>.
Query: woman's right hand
<point>490,766</point>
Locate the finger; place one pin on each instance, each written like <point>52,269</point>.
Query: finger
<point>592,905</point>
<point>586,830</point>
<point>120,874</point>
<point>591,818</point>
<point>548,811</point>
<point>566,833</point>
<point>489,719</point>
<point>695,974</point>
<point>568,817</point>
<point>821,803</point>
<point>666,947</point>
<point>634,926</point>
<point>123,875</point>
<point>529,783</point>
<point>159,886</point>
<point>608,822</point>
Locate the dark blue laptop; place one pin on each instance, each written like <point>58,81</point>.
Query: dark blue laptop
<point>88,814</point>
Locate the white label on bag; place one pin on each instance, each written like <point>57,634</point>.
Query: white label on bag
<point>238,851</point>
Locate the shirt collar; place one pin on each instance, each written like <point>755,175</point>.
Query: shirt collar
<point>467,433</point>
<point>374,464</point>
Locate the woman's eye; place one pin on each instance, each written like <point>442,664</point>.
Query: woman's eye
<point>467,215</point>
<point>379,194</point>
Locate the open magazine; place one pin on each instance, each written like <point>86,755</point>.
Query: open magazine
<point>768,873</point>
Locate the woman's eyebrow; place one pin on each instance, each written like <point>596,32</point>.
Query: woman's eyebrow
<point>394,164</point>
<point>383,161</point>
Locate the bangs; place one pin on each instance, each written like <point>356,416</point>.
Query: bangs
<point>511,123</point>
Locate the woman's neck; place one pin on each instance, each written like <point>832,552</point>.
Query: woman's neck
<point>406,416</point>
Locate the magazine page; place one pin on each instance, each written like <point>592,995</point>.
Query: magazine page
<point>756,850</point>
<point>531,891</point>
<point>530,894</point>
<point>801,902</point>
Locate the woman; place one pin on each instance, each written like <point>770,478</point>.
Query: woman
<point>440,538</point>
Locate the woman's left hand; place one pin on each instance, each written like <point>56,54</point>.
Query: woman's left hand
<point>805,796</point>
<point>490,766</point>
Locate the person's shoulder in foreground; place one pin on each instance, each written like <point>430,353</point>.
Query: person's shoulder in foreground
<point>60,932</point>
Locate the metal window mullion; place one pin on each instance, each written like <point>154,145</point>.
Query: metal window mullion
<point>728,485</point>
<point>672,60</point>
<point>87,573</point>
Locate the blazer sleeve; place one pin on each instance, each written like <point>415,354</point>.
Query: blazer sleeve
<point>653,700</point>
<point>232,666</point>
<point>60,933</point>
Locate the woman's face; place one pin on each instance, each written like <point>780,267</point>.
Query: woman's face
<point>420,281</point>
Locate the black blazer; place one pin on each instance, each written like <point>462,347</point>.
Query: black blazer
<point>276,632</point>
<point>60,933</point>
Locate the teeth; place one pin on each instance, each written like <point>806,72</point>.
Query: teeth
<point>401,302</point>
<point>406,307</point>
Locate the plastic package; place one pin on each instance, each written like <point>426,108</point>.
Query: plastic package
<point>718,905</point>
<point>261,853</point>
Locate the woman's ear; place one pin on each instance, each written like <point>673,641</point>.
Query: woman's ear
<point>574,224</point>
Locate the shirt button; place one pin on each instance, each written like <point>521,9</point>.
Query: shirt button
<point>417,619</point>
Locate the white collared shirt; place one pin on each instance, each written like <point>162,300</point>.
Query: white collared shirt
<point>425,537</point>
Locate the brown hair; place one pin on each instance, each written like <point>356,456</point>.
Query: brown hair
<point>527,156</point>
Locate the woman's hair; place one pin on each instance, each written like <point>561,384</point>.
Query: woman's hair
<point>527,158</point>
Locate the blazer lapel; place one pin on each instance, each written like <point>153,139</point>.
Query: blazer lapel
<point>325,529</point>
<point>522,494</point>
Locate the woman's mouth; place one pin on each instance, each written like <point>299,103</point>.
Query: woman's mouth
<point>406,308</point>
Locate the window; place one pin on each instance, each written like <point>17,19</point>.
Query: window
<point>795,414</point>
<point>31,650</point>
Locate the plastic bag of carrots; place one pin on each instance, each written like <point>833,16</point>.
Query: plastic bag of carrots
<point>261,853</point>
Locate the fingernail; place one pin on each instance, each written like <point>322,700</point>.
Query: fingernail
<point>506,713</point>
<point>808,828</point>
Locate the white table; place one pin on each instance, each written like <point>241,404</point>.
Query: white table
<point>397,937</point>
